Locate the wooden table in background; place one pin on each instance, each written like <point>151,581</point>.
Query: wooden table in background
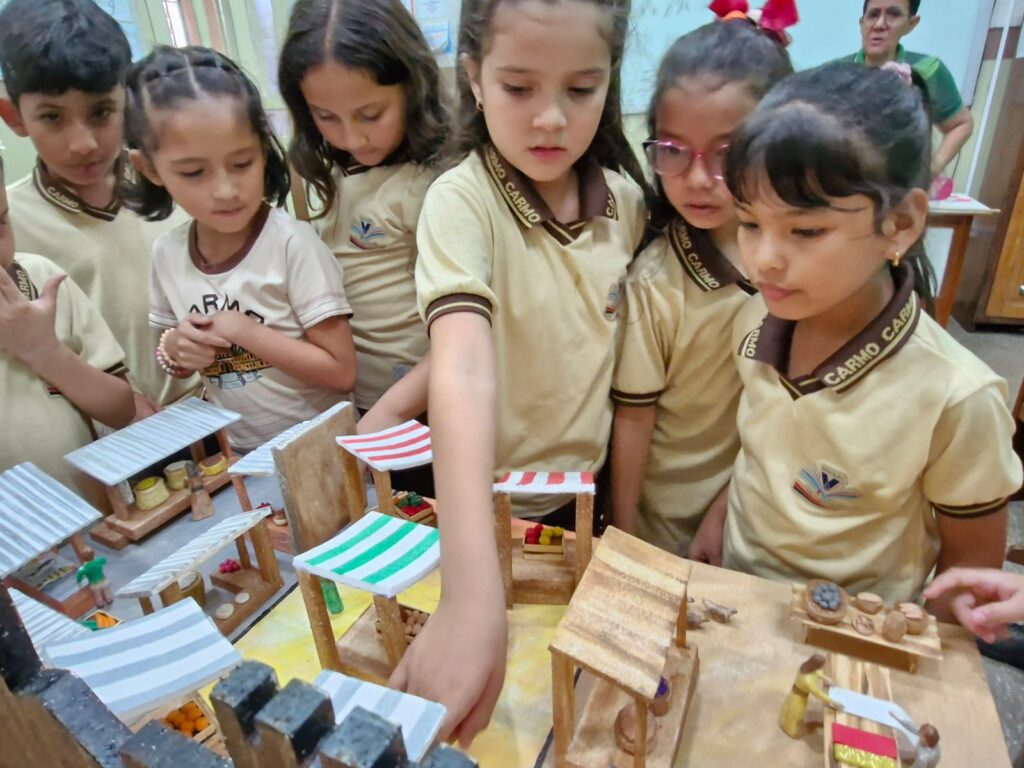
<point>957,213</point>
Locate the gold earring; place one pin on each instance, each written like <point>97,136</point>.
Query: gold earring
<point>896,258</point>
<point>479,106</point>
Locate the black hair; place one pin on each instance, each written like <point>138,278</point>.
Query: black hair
<point>915,6</point>
<point>723,52</point>
<point>54,46</point>
<point>169,75</point>
<point>838,130</point>
<point>377,36</point>
<point>610,148</point>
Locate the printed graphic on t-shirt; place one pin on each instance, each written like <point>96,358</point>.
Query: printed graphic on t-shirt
<point>611,304</point>
<point>366,235</point>
<point>235,367</point>
<point>825,487</point>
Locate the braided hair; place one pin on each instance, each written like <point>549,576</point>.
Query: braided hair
<point>168,76</point>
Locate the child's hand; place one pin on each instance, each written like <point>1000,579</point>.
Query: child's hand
<point>984,600</point>
<point>459,660</point>
<point>706,546</point>
<point>194,343</point>
<point>230,325</point>
<point>26,327</point>
<point>144,407</point>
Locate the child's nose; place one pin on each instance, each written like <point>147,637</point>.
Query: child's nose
<point>552,118</point>
<point>81,141</point>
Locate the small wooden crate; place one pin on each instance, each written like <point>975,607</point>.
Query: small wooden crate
<point>161,714</point>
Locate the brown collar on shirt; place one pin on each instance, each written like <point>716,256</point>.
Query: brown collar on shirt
<point>54,191</point>
<point>700,258</point>
<point>199,261</point>
<point>21,279</point>
<point>530,209</point>
<point>883,337</point>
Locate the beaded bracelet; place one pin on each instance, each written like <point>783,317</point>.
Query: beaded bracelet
<point>167,363</point>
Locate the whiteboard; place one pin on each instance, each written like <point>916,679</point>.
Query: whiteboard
<point>953,30</point>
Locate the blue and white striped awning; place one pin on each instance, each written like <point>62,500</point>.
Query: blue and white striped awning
<point>260,462</point>
<point>138,666</point>
<point>138,446</point>
<point>379,554</point>
<point>36,514</point>
<point>193,554</point>
<point>43,624</point>
<point>419,719</point>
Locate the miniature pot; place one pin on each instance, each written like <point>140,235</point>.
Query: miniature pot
<point>176,475</point>
<point>151,493</point>
<point>212,466</point>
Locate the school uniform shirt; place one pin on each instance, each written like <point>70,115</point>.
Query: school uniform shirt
<point>943,95</point>
<point>371,228</point>
<point>284,278</point>
<point>107,252</point>
<point>682,295</point>
<point>489,244</point>
<point>842,472</point>
<point>39,424</point>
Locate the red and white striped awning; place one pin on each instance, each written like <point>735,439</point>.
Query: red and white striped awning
<point>545,483</point>
<point>401,447</point>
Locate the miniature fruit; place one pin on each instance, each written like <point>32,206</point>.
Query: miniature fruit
<point>895,627</point>
<point>868,602</point>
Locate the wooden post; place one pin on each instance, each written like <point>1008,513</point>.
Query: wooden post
<point>392,628</point>
<point>237,482</point>
<point>83,551</point>
<point>946,299</point>
<point>681,621</point>
<point>319,621</point>
<point>562,705</point>
<point>116,502</point>
<point>147,605</point>
<point>243,552</point>
<point>584,532</point>
<point>640,734</point>
<point>352,483</point>
<point>171,594</point>
<point>503,537</point>
<point>198,452</point>
<point>382,482</point>
<point>265,559</point>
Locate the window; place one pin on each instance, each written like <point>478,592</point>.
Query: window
<point>176,22</point>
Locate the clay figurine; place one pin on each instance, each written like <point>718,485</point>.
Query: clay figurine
<point>99,585</point>
<point>825,602</point>
<point>720,613</point>
<point>662,699</point>
<point>808,683</point>
<point>926,753</point>
<point>694,619</point>
<point>625,729</point>
<point>202,504</point>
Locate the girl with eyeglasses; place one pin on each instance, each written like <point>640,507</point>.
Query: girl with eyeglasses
<point>675,386</point>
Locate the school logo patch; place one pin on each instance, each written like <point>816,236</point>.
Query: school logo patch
<point>614,300</point>
<point>825,487</point>
<point>364,234</point>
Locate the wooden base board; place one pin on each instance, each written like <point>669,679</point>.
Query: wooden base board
<point>860,676</point>
<point>542,581</point>
<point>140,523</point>
<point>843,638</point>
<point>245,580</point>
<point>594,741</point>
<point>280,536</point>
<point>103,534</point>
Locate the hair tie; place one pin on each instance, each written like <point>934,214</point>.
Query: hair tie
<point>900,69</point>
<point>773,19</point>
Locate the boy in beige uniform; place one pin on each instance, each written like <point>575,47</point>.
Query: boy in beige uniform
<point>842,472</point>
<point>64,69</point>
<point>46,396</point>
<point>676,355</point>
<point>489,244</point>
<point>371,228</point>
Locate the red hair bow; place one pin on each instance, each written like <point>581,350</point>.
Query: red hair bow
<point>774,18</point>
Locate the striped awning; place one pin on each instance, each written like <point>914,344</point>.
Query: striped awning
<point>193,554</point>
<point>36,514</point>
<point>139,446</point>
<point>138,666</point>
<point>545,483</point>
<point>401,447</point>
<point>260,462</point>
<point>379,554</point>
<point>419,719</point>
<point>43,624</point>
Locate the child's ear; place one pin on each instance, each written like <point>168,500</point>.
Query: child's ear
<point>472,69</point>
<point>905,225</point>
<point>144,166</point>
<point>12,116</point>
<point>914,21</point>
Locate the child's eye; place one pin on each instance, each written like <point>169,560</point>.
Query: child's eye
<point>516,90</point>
<point>809,233</point>
<point>371,118</point>
<point>325,118</point>
<point>103,113</point>
<point>748,225</point>
<point>244,164</point>
<point>191,174</point>
<point>583,91</point>
<point>50,117</point>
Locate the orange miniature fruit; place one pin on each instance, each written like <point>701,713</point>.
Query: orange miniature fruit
<point>192,710</point>
<point>176,718</point>
<point>202,724</point>
<point>188,727</point>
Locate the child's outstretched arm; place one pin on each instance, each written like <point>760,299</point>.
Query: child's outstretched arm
<point>459,658</point>
<point>325,358</point>
<point>978,542</point>
<point>405,399</point>
<point>996,598</point>
<point>27,334</point>
<point>631,445</point>
<point>706,546</point>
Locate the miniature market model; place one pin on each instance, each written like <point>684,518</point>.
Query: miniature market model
<point>144,444</point>
<point>379,554</point>
<point>37,514</point>
<point>898,636</point>
<point>257,583</point>
<point>548,578</point>
<point>626,625</point>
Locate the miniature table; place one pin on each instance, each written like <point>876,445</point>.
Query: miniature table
<point>139,446</point>
<point>37,514</point>
<point>957,212</point>
<point>746,669</point>
<point>260,583</point>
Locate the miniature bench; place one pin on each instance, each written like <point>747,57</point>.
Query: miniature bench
<point>260,583</point>
<point>379,554</point>
<point>139,446</point>
<point>543,581</point>
<point>403,447</point>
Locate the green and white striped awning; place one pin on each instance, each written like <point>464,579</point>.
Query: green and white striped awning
<point>379,554</point>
